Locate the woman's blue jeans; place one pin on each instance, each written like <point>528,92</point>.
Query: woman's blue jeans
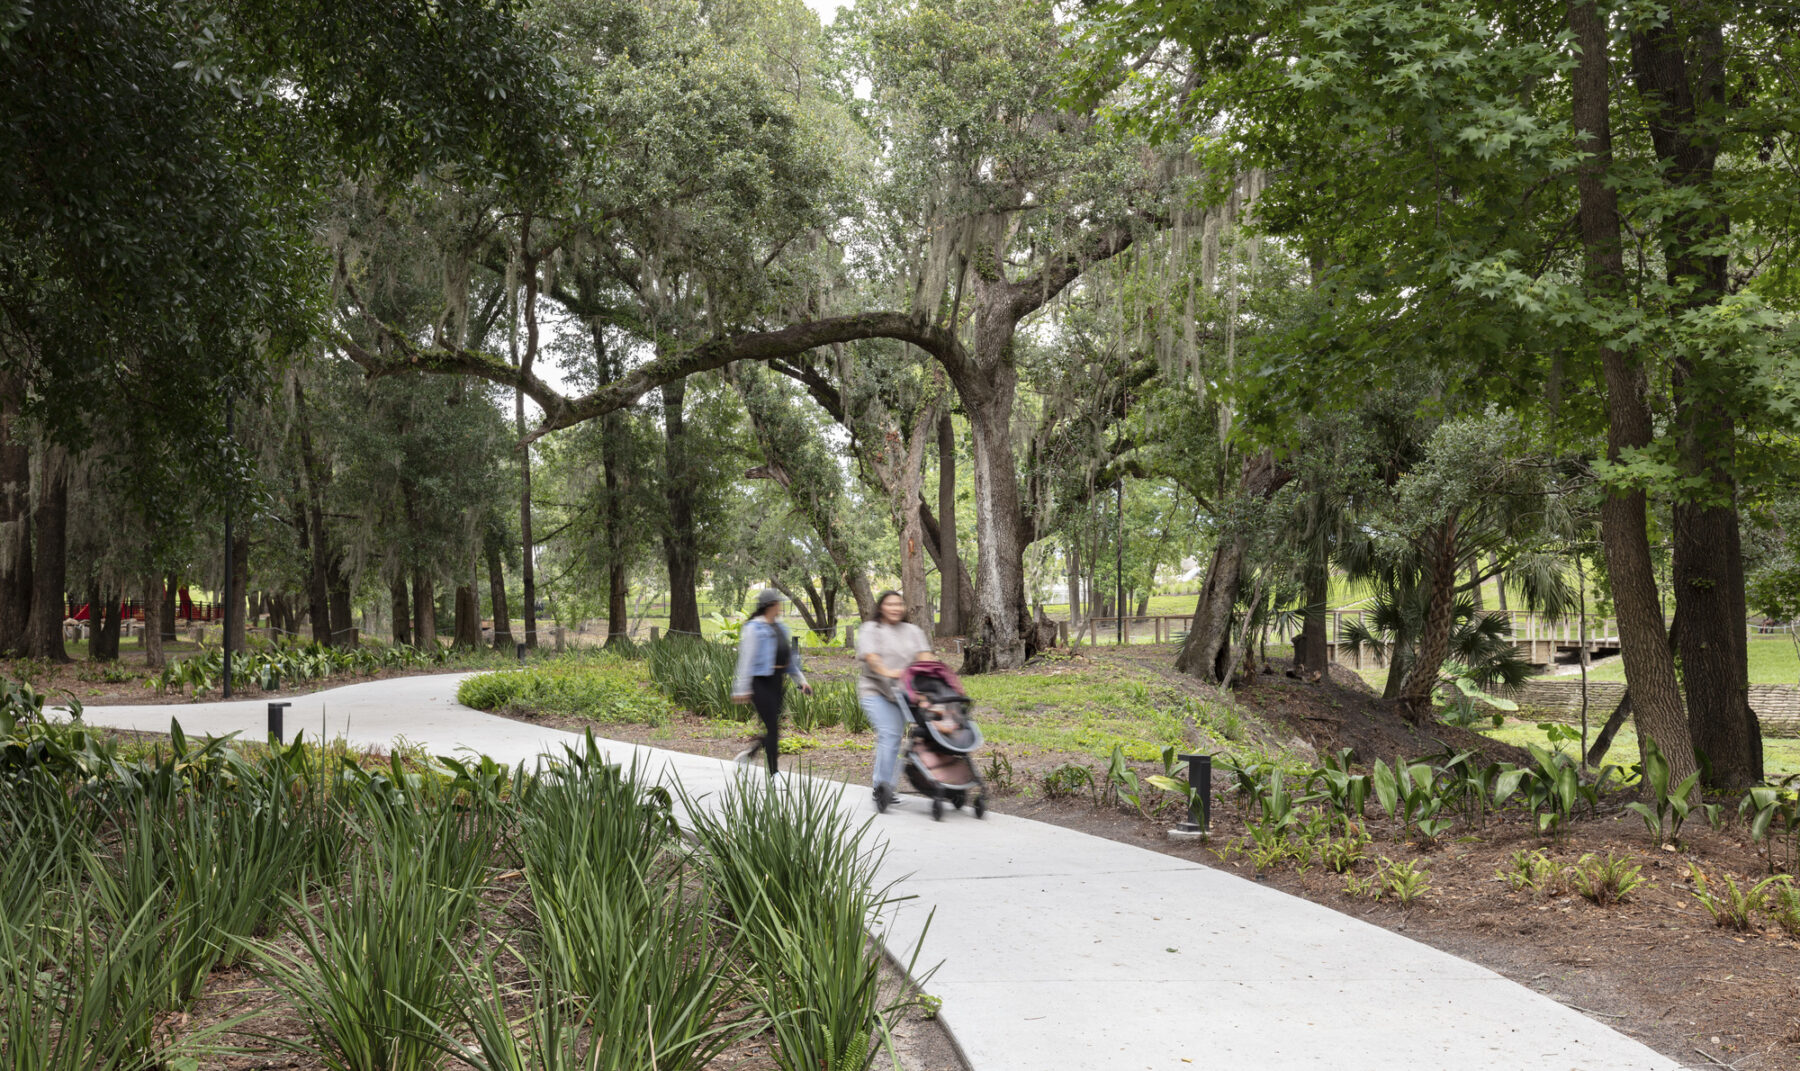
<point>889,724</point>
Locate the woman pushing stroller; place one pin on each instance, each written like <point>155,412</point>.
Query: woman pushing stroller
<point>885,647</point>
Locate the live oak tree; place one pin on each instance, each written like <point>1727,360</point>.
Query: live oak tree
<point>1018,196</point>
<point>1571,198</point>
<point>228,119</point>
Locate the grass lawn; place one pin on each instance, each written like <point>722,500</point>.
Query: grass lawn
<point>1088,708</point>
<point>1781,755</point>
<point>1772,661</point>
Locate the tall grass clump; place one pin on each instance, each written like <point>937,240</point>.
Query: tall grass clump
<point>829,706</point>
<point>75,1000</point>
<point>630,970</point>
<point>791,869</point>
<point>380,967</point>
<point>696,674</point>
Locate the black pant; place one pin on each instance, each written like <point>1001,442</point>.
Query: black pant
<point>766,696</point>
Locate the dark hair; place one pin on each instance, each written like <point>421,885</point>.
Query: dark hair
<point>885,596</point>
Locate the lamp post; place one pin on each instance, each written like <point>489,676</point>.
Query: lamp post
<point>225,691</point>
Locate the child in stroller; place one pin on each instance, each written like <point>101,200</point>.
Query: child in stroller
<point>941,739</point>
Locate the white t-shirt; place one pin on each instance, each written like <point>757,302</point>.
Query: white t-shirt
<point>896,645</point>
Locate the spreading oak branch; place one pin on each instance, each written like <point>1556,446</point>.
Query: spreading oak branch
<point>400,353</point>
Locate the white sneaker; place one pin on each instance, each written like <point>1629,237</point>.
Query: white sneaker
<point>744,756</point>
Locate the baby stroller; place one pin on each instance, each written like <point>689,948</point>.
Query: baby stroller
<point>941,739</point>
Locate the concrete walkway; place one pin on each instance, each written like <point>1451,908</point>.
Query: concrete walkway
<point>1064,951</point>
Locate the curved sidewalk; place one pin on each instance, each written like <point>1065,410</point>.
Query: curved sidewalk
<point>1061,950</point>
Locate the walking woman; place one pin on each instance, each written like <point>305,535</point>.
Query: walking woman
<point>766,654</point>
<point>885,647</point>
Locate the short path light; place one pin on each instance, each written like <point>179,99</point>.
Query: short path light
<point>521,653</point>
<point>275,712</point>
<point>1199,773</point>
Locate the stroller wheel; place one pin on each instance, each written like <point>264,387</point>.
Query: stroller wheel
<point>937,809</point>
<point>980,807</point>
<point>958,797</point>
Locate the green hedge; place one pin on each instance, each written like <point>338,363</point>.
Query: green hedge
<point>602,690</point>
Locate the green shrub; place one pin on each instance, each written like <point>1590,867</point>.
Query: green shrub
<point>1733,907</point>
<point>1605,881</point>
<point>604,690</point>
<point>1534,872</point>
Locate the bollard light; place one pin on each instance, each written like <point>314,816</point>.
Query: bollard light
<point>1199,774</point>
<point>275,712</point>
<point>521,652</point>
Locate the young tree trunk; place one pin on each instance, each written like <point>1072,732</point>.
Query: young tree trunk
<point>424,611</point>
<point>949,558</point>
<point>618,577</point>
<point>1649,669</point>
<point>1708,568</point>
<point>15,520</point>
<point>318,579</point>
<point>503,637</point>
<point>400,608</point>
<point>153,621</point>
<point>171,606</point>
<point>953,573</point>
<point>680,548</point>
<point>913,584</point>
<point>1072,559</point>
<point>105,638</point>
<point>1314,646</point>
<point>49,532</point>
<point>527,564</point>
<point>341,608</point>
<point>1499,583</point>
<point>92,597</point>
<point>1433,644</point>
<point>240,590</point>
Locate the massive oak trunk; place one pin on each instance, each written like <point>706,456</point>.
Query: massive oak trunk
<point>49,532</point>
<point>503,638</point>
<point>680,549</point>
<point>1206,651</point>
<point>948,557</point>
<point>1708,568</point>
<point>424,610</point>
<point>15,521</point>
<point>1003,635</point>
<point>467,629</point>
<point>1649,669</point>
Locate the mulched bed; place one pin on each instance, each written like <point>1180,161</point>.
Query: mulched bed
<point>1654,967</point>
